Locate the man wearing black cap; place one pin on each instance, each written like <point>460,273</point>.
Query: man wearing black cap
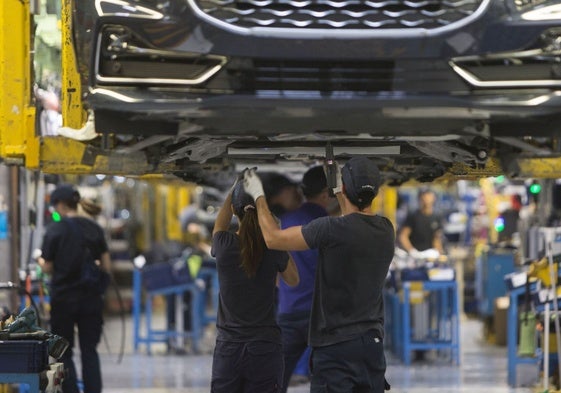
<point>295,302</point>
<point>355,251</point>
<point>65,246</point>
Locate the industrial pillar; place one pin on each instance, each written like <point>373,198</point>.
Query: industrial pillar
<point>14,232</point>
<point>5,260</point>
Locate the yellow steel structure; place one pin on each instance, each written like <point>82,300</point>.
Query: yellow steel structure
<point>73,113</point>
<point>386,204</point>
<point>21,145</point>
<point>18,142</point>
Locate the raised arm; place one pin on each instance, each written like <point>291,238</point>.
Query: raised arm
<point>290,239</point>
<point>224,216</point>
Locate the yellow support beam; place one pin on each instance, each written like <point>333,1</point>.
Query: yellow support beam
<point>73,113</point>
<point>64,155</point>
<point>19,143</point>
<point>543,168</point>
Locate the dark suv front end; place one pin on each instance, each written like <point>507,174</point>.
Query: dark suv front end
<point>338,68</point>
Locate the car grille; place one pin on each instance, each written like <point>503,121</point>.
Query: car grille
<point>272,75</point>
<point>339,14</point>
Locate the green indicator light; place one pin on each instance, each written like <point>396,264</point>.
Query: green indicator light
<point>56,217</point>
<point>499,224</point>
<point>535,188</point>
<point>500,179</point>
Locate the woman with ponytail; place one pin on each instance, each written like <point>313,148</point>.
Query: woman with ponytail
<point>248,353</point>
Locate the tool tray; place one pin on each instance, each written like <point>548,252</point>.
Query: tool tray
<point>23,356</point>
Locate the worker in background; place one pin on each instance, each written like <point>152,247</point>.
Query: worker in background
<point>72,304</point>
<point>248,353</point>
<point>511,217</point>
<point>295,302</point>
<point>282,194</point>
<point>355,252</point>
<point>422,229</point>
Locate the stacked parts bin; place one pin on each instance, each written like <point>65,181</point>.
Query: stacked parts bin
<point>23,361</point>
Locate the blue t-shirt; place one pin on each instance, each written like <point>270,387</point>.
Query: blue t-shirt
<point>299,298</point>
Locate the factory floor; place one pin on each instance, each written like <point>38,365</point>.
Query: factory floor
<point>483,367</point>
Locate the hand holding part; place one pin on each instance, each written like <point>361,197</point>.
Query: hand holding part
<point>239,179</point>
<point>333,174</point>
<point>252,184</point>
<point>414,253</point>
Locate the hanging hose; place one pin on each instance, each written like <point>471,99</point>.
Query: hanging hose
<point>121,354</point>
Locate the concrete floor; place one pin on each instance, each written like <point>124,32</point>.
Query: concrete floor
<point>483,368</point>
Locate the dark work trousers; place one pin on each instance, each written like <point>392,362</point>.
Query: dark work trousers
<point>249,367</point>
<point>355,366</point>
<point>294,328</point>
<point>86,312</point>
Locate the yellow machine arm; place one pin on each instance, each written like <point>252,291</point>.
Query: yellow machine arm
<point>19,143</point>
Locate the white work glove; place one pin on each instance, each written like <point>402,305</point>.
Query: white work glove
<point>431,254</point>
<point>415,254</point>
<point>339,182</point>
<point>252,184</point>
<point>339,187</point>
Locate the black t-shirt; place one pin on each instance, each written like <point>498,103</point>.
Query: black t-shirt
<point>355,252</point>
<point>63,244</point>
<point>423,227</point>
<point>246,309</point>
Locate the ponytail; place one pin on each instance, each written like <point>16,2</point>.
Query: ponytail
<point>251,241</point>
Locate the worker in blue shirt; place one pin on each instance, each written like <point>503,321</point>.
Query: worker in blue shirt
<point>295,302</point>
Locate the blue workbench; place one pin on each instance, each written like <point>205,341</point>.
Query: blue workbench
<point>154,335</point>
<point>512,337</point>
<point>443,305</point>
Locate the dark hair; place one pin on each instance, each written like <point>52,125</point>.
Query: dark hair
<point>314,182</point>
<point>424,191</point>
<point>252,243</point>
<point>364,198</point>
<point>67,195</point>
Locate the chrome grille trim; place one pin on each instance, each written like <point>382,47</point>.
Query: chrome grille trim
<point>334,28</point>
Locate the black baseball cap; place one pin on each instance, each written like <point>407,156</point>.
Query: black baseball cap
<point>241,200</point>
<point>314,181</point>
<point>360,176</point>
<point>65,193</point>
